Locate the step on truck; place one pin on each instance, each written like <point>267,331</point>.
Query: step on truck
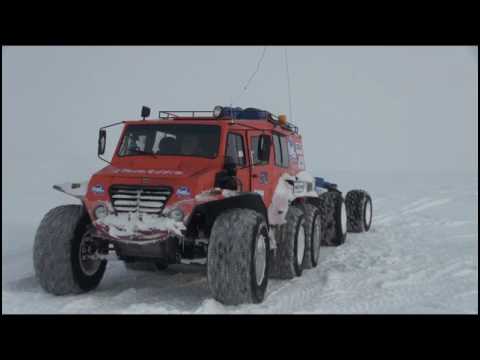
<point>227,188</point>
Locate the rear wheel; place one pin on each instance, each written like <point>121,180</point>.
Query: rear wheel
<point>334,214</point>
<point>313,229</point>
<point>238,257</point>
<point>359,211</point>
<point>291,237</point>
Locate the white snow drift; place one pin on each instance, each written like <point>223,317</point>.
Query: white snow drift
<point>420,256</point>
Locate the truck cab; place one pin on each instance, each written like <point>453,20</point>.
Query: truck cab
<point>168,167</point>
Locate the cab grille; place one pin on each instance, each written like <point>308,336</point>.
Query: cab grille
<point>145,199</point>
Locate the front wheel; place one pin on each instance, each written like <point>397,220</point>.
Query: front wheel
<point>238,257</point>
<point>63,253</point>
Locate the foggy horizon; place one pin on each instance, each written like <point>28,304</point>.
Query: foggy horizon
<point>360,110</point>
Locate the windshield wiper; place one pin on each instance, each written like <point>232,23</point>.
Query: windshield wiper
<point>144,153</point>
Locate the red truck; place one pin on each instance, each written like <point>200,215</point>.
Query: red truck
<point>227,188</point>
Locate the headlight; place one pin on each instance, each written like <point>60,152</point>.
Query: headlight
<point>217,110</point>
<point>176,214</point>
<point>100,211</point>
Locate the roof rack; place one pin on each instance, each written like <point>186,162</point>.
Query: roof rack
<point>179,113</point>
<point>172,114</point>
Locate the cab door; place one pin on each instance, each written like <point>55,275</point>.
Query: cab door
<point>260,154</point>
<point>236,150</point>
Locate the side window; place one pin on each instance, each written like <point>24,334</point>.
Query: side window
<point>281,150</point>
<point>236,149</point>
<point>278,150</point>
<point>285,156</point>
<point>254,150</point>
<point>256,142</point>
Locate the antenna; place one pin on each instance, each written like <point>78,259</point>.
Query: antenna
<point>288,85</point>
<point>245,87</point>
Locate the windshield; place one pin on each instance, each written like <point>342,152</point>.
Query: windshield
<point>171,139</point>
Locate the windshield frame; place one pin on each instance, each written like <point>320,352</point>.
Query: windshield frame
<point>125,131</point>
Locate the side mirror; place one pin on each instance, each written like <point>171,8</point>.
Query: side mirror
<point>102,141</point>
<point>263,151</point>
<point>145,112</point>
<point>230,166</point>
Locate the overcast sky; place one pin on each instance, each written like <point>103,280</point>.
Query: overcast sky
<point>361,109</point>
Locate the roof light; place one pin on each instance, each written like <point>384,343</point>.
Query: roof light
<point>217,111</point>
<point>282,119</point>
<point>145,112</point>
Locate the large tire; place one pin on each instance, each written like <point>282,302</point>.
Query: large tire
<point>287,260</point>
<point>333,210</point>
<point>56,253</point>
<point>359,211</point>
<point>313,229</point>
<point>152,266</point>
<point>238,247</point>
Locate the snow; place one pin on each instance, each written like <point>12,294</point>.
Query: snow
<point>213,194</point>
<point>131,224</point>
<point>283,195</point>
<point>421,256</point>
<point>208,195</point>
<point>305,176</point>
<point>230,193</point>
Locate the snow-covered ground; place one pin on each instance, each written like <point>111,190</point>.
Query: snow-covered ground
<point>421,256</point>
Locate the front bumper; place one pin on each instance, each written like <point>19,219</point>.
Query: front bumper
<point>140,237</point>
<point>137,228</point>
<point>155,243</point>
